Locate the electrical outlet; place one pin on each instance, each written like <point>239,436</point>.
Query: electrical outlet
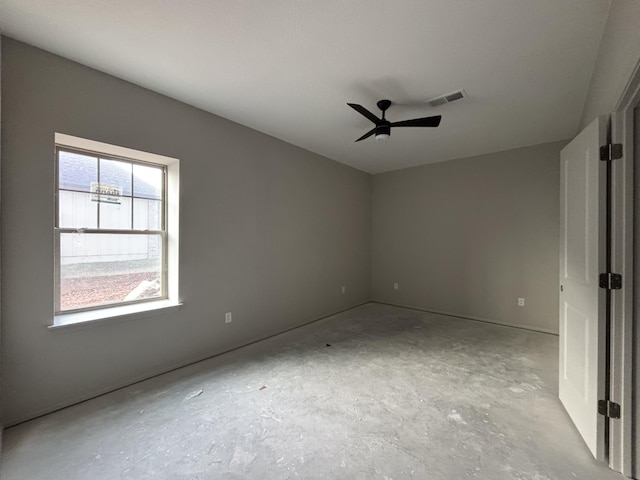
<point>521,302</point>
<point>227,317</point>
<point>395,286</point>
<point>344,289</point>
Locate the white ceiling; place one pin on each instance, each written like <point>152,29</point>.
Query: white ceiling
<point>288,67</point>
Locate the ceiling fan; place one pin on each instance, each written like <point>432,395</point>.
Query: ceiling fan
<point>382,129</point>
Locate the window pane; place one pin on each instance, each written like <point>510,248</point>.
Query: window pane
<point>147,214</point>
<point>116,174</point>
<point>102,269</point>
<point>147,181</point>
<point>76,171</point>
<point>116,216</point>
<point>76,210</point>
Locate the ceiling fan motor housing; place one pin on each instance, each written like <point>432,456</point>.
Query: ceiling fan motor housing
<point>383,129</point>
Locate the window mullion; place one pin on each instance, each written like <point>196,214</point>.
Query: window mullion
<point>113,231</point>
<point>98,202</point>
<point>131,224</point>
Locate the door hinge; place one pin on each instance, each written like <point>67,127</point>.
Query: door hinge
<point>611,281</point>
<point>609,409</point>
<point>611,151</point>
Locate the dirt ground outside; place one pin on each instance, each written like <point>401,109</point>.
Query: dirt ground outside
<point>82,292</point>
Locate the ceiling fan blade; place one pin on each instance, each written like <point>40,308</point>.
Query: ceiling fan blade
<point>419,122</point>
<point>367,135</point>
<point>363,111</point>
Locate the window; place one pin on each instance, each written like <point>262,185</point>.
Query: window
<point>113,235</point>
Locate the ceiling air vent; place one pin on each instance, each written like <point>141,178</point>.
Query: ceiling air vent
<point>448,98</point>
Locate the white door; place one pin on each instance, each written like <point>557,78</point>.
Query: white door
<point>582,302</point>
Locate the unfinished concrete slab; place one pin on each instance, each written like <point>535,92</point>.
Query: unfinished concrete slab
<point>374,392</point>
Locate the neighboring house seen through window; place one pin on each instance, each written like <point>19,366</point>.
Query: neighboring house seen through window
<point>111,231</point>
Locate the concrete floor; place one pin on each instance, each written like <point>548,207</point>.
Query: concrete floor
<point>374,392</point>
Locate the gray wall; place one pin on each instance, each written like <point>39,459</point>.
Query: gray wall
<point>618,57</point>
<point>269,232</point>
<point>470,236</point>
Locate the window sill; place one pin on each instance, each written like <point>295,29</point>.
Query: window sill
<point>124,312</point>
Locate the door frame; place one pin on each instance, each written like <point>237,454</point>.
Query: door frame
<point>624,449</point>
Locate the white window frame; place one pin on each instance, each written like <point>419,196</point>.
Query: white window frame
<point>170,298</point>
